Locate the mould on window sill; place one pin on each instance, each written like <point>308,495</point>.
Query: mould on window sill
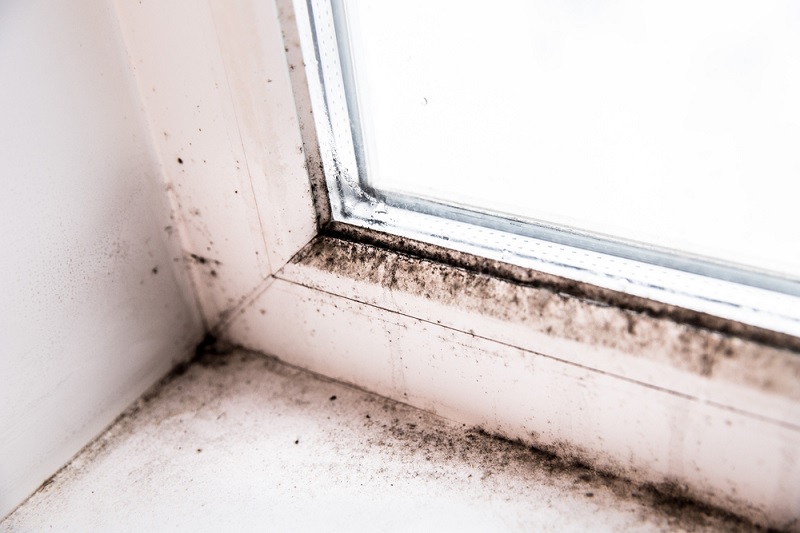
<point>560,308</point>
<point>560,285</point>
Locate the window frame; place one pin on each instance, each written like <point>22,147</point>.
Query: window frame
<point>700,284</point>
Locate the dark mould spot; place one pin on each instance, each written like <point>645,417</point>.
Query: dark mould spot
<point>589,494</point>
<point>631,324</point>
<point>728,352</point>
<point>213,273</point>
<point>154,270</point>
<point>297,441</point>
<point>199,450</point>
<point>212,352</point>
<point>48,481</point>
<point>208,342</point>
<point>180,161</point>
<point>180,369</point>
<point>332,397</point>
<point>204,260</point>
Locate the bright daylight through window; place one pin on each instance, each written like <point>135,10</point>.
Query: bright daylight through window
<point>649,147</point>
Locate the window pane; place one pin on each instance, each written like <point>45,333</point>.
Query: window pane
<point>674,124</point>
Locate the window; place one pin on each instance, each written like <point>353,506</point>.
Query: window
<point>630,147</point>
<point>363,292</point>
<point>667,368</point>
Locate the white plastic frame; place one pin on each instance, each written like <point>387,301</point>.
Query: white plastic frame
<point>721,290</point>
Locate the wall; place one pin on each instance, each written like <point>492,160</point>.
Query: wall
<point>94,303</point>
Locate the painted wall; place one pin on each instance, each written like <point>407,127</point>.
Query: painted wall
<point>95,305</point>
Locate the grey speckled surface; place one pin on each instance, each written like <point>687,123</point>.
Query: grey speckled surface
<point>241,442</point>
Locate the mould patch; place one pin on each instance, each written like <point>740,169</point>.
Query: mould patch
<point>556,310</point>
<point>559,285</point>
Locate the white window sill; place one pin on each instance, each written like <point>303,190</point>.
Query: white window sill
<point>244,443</point>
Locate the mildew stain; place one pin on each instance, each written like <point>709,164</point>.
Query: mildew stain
<point>559,285</point>
<point>564,309</point>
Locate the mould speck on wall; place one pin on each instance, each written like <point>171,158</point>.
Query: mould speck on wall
<point>209,265</point>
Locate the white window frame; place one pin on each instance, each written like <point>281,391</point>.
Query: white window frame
<point>699,284</point>
<point>697,404</point>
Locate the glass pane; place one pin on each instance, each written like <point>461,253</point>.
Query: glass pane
<point>674,124</point>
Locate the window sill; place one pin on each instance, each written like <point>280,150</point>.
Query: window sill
<point>712,415</point>
<point>301,453</point>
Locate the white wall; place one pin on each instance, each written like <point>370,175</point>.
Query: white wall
<point>94,302</point>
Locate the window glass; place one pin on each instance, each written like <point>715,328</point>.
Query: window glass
<point>671,124</point>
